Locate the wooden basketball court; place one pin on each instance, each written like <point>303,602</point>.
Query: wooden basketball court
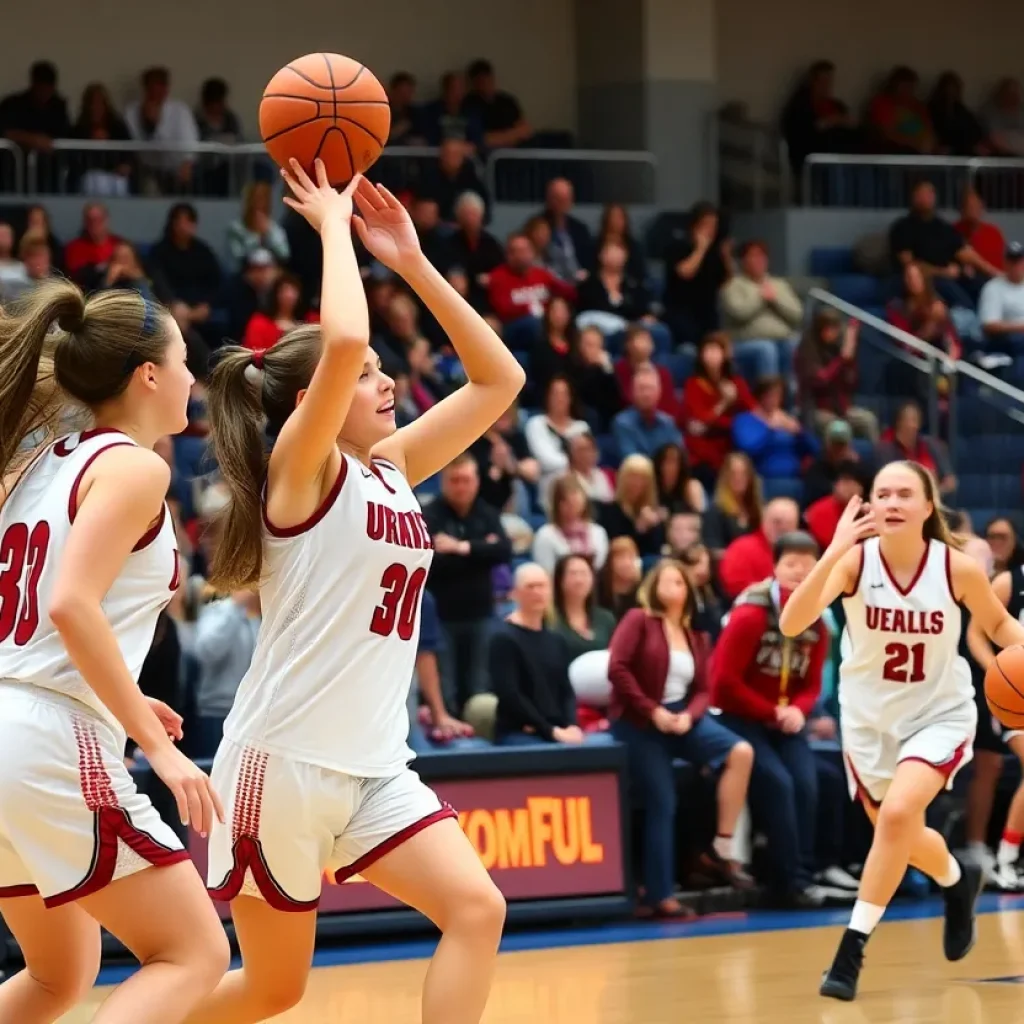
<point>764,968</point>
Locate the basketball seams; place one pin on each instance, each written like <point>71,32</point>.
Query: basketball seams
<point>1009,682</point>
<point>293,127</point>
<point>334,92</point>
<point>362,127</point>
<point>302,74</point>
<point>309,99</point>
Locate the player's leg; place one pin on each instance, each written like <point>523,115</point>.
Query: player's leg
<point>164,916</point>
<point>61,948</point>
<point>437,872</point>
<point>989,751</point>
<point>1009,847</point>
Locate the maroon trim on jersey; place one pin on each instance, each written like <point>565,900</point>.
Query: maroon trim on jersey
<point>862,791</point>
<point>917,575</point>
<point>860,572</point>
<point>949,573</point>
<point>61,449</point>
<point>153,532</point>
<point>948,768</point>
<point>13,892</point>
<point>176,575</point>
<point>325,507</point>
<point>375,465</point>
<point>360,865</point>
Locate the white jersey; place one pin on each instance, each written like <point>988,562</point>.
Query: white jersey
<point>336,649</point>
<point>901,666</point>
<point>35,521</point>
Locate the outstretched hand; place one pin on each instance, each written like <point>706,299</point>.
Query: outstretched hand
<point>385,227</point>
<point>857,523</point>
<point>319,202</point>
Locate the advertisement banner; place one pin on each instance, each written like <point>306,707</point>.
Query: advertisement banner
<point>540,837</point>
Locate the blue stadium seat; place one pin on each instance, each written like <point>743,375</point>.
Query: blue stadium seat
<point>864,448</point>
<point>978,490</point>
<point>783,487</point>
<point>524,360</point>
<point>608,450</point>
<point>430,487</point>
<point>536,520</point>
<point>828,262</point>
<point>858,289</point>
<point>995,453</point>
<point>680,365</point>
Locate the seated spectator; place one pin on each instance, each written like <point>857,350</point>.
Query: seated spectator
<point>453,175</point>
<point>919,311</point>
<point>35,255</point>
<point>37,116</point>
<point>1007,550</point>
<point>957,131</point>
<point>837,450</point>
<point>106,172</point>
<point>635,512</point>
<point>682,531</point>
<point>549,433</point>
<point>225,638</point>
<point>814,120</point>
<point>678,489</point>
<point>618,581</point>
<point>1001,307</point>
<point>981,235</point>
<point>897,120</point>
<point>469,542</point>
<point>577,616</point>
<point>13,277</point>
<point>257,229</point>
<point>826,370</point>
<point>519,289</point>
<point>766,686</point>
<point>749,559</point>
<point>712,396</point>
<point>638,351</point>
<point>124,270</point>
<point>473,249</point>
<point>761,313</point>
<point>594,377</point>
<point>37,226</point>
<point>450,116</point>
<point>284,312</point>
<point>216,121</point>
<point>529,669</point>
<point>551,355</point>
<point>405,114</point>
<point>571,530</point>
<point>504,461</point>
<point>610,298</point>
<point>426,385</point>
<point>400,332</point>
<point>584,465</point>
<point>246,293</point>
<point>498,112</point>
<point>643,428</point>
<point>1003,117</point>
<point>538,231</point>
<point>658,668</point>
<point>904,441</point>
<point>822,516</point>
<point>186,264</point>
<point>87,255</point>
<point>158,117</point>
<point>736,507</point>
<point>708,607</point>
<point>572,245</point>
<point>922,236</point>
<point>775,441</point>
<point>615,228</point>
<point>696,268</point>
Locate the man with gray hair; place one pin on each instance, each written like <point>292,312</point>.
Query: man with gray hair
<point>453,175</point>
<point>473,249</point>
<point>642,428</point>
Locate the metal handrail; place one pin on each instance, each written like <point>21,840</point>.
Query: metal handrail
<point>19,162</point>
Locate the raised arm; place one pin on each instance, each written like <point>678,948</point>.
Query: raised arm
<point>835,573</point>
<point>306,461</point>
<point>988,613</point>
<point>495,376</point>
<point>120,497</point>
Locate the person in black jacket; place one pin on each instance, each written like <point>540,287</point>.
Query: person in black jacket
<point>469,542</point>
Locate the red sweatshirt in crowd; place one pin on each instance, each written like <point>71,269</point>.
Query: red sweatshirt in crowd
<point>513,295</point>
<point>746,668</point>
<point>747,560</point>
<point>822,518</point>
<point>82,252</point>
<point>700,398</point>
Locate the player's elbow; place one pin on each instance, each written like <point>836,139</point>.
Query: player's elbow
<point>66,609</point>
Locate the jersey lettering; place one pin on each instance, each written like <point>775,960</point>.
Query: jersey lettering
<point>401,601</point>
<point>22,557</point>
<point>403,529</point>
<point>900,620</point>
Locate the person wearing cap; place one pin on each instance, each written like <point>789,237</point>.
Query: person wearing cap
<point>37,116</point>
<point>821,474</point>
<point>766,686</point>
<point>822,517</point>
<point>826,372</point>
<point>248,292</point>
<point>1001,307</point>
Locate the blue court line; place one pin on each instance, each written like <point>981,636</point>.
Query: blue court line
<point>633,931</point>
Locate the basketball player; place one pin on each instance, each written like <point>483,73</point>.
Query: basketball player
<point>87,561</point>
<point>906,699</point>
<point>314,763</point>
<point>1009,589</point>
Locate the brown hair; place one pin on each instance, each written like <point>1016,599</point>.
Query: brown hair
<point>55,345</point>
<point>617,546</point>
<point>560,490</point>
<point>936,526</point>
<point>246,404</point>
<point>647,595</point>
<point>257,195</point>
<point>751,503</point>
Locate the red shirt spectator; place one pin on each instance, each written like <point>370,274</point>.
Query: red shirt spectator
<point>639,351</point>
<point>94,246</point>
<point>519,288</point>
<point>711,398</point>
<point>984,238</point>
<point>748,559</point>
<point>822,517</point>
<point>265,330</point>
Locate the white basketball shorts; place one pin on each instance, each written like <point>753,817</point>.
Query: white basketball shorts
<point>71,818</point>
<point>872,756</point>
<point>290,821</point>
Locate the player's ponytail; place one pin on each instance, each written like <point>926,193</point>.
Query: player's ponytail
<point>936,526</point>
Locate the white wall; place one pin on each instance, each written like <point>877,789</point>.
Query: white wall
<point>763,46</point>
<point>531,43</point>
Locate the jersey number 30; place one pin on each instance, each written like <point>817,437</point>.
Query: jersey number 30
<point>397,609</point>
<point>21,549</point>
<point>896,658</point>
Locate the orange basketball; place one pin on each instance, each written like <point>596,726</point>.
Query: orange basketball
<point>327,106</point>
<point>1004,687</point>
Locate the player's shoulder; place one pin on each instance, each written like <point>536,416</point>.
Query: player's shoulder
<point>141,469</point>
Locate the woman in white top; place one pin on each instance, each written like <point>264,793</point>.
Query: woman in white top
<point>571,531</point>
<point>548,433</point>
<point>257,229</point>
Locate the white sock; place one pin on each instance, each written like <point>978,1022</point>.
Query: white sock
<point>723,846</point>
<point>952,875</point>
<point>979,851</point>
<point>865,917</point>
<point>1008,853</point>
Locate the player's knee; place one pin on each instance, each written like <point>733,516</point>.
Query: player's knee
<point>741,757</point>
<point>69,983</point>
<point>898,817</point>
<point>480,911</point>
<point>277,994</point>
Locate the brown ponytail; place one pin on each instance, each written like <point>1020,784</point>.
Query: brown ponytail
<point>936,526</point>
<point>55,345</point>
